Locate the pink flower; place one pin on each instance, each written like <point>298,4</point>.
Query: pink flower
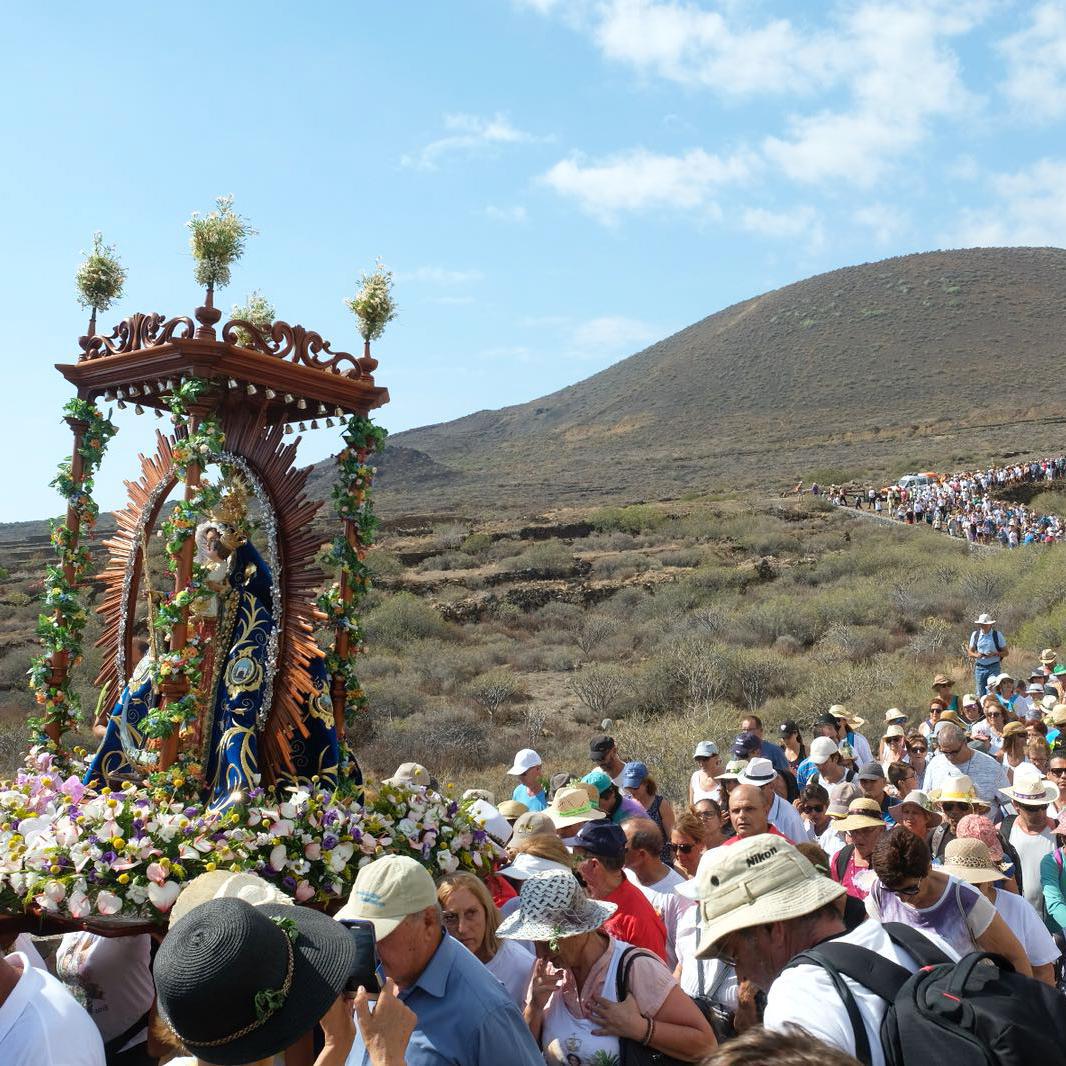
<point>73,788</point>
<point>304,892</point>
<point>313,850</point>
<point>277,857</point>
<point>156,873</point>
<point>108,903</point>
<point>79,905</point>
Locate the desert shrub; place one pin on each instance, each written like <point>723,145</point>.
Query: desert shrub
<point>557,617</point>
<point>402,618</point>
<point>631,519</point>
<point>495,690</point>
<point>395,696</point>
<point>592,631</point>
<point>763,623</point>
<point>384,563</point>
<point>450,535</point>
<point>476,543</point>
<point>449,560</point>
<point>553,558</point>
<point>599,686</point>
<point>683,558</point>
<point>625,564</point>
<point>18,598</point>
<point>13,666</point>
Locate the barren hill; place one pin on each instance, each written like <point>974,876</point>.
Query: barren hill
<point>924,360</point>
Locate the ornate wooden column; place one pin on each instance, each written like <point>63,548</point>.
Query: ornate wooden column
<point>173,690</point>
<point>61,659</point>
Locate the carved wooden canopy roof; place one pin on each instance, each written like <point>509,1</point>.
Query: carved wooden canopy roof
<point>286,372</point>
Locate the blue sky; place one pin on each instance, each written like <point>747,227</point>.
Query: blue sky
<point>555,184</point>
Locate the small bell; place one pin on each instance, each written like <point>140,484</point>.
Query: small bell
<point>288,397</point>
<point>303,428</point>
<point>329,423</point>
<point>314,423</point>
<point>301,403</point>
<point>147,388</point>
<point>288,429</point>
<point>138,410</point>
<point>121,405</point>
<point>120,395</point>
<point>321,409</point>
<point>231,383</point>
<point>134,391</point>
<point>250,389</point>
<point>270,394</point>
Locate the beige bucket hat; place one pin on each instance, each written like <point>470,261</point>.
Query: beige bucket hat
<point>862,814</point>
<point>969,859</point>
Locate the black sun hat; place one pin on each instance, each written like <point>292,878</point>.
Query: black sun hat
<point>239,983</point>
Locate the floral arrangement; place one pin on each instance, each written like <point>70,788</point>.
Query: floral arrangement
<point>200,445</point>
<point>373,304</point>
<point>61,628</point>
<point>101,276</point>
<point>257,310</point>
<point>217,241</point>
<point>352,501</point>
<point>123,855</point>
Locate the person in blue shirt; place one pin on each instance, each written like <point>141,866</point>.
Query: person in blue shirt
<point>464,1016</point>
<point>986,649</point>
<point>530,773</point>
<point>751,725</point>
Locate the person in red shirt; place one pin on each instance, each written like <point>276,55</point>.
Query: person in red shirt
<point>749,814</point>
<point>601,849</point>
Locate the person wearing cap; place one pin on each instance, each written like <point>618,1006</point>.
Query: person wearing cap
<point>1002,686</point>
<point>410,775</point>
<point>464,1015</point>
<point>1056,716</point>
<point>563,779</point>
<point>535,823</point>
<point>824,764</point>
<point>852,865</point>
<point>909,889</point>
<point>41,1023</point>
<point>237,983</point>
<point>702,783</point>
<point>954,755</point>
<point>893,747</point>
<point>872,781</point>
<point>916,813</point>
<point>568,811</point>
<point>600,850</point>
<point>640,786</point>
<point>574,1010</point>
<point>645,869</point>
<point>614,803</point>
<point>841,795</point>
<point>970,861</point>
<point>781,815</point>
<point>530,788</point>
<point>986,649</point>
<point>944,687</point>
<point>762,903</point>
<point>1030,831</point>
<point>603,754</point>
<point>752,724</point>
<point>971,708</point>
<point>792,744</point>
<point>471,917</point>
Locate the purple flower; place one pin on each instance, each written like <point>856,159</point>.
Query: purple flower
<point>329,841</point>
<point>289,884</point>
<point>109,857</point>
<point>453,809</point>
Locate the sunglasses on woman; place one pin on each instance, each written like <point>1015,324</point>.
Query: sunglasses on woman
<point>906,891</point>
<point>815,808</point>
<point>916,749</point>
<point>684,849</point>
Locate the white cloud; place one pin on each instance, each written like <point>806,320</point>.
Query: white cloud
<point>885,221</point>
<point>469,133</point>
<point>516,213</point>
<point>612,334</point>
<point>1036,63</point>
<point>638,180</point>
<point>793,224</point>
<point>1028,209</point>
<point>433,275</point>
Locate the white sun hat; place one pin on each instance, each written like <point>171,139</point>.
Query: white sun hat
<point>733,769</point>
<point>705,749</point>
<point>822,750</point>
<point>225,884</point>
<point>553,906</point>
<point>525,760</point>
<point>526,865</point>
<point>754,881</point>
<point>1031,788</point>
<point>984,620</point>
<point>758,772</point>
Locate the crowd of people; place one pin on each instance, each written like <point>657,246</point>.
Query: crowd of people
<point>733,925</point>
<point>964,504</point>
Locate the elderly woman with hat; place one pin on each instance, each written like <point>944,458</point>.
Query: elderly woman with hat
<point>970,860</point>
<point>909,889</point>
<point>589,992</point>
<point>917,813</point>
<point>851,866</point>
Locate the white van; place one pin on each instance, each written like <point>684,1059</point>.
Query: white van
<point>915,481</point>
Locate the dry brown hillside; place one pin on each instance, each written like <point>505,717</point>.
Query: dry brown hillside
<point>873,368</point>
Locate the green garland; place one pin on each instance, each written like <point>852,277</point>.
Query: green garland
<point>62,628</point>
<point>201,447</point>
<point>352,501</point>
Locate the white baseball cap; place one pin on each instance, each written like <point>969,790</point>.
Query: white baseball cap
<point>525,760</point>
<point>386,891</point>
<point>822,749</point>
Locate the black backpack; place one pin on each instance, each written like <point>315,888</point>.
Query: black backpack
<point>976,1011</point>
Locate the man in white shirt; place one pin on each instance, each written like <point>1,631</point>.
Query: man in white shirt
<point>762,903</point>
<point>41,1024</point>
<point>644,844</point>
<point>781,815</point>
<point>1030,834</point>
<point>956,756</point>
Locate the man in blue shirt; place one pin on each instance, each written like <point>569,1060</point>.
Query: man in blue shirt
<point>530,773</point>
<point>987,648</point>
<point>465,1016</point>
<point>751,726</point>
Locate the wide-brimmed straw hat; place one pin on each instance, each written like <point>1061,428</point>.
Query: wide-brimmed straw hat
<point>1058,714</point>
<point>1031,788</point>
<point>916,798</point>
<point>957,788</point>
<point>862,814</point>
<point>526,866</point>
<point>239,983</point>
<point>754,881</point>
<point>894,715</point>
<point>970,860</point>
<point>412,774</point>
<point>571,806</point>
<point>942,679</point>
<point>984,620</point>
<point>1049,655</point>
<point>225,884</point>
<point>553,906</point>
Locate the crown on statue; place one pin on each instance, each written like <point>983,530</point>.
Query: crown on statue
<point>232,507</point>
